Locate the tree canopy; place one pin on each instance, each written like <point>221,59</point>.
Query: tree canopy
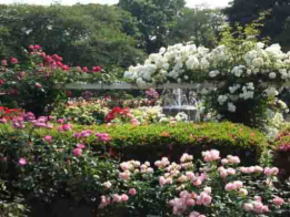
<point>276,24</point>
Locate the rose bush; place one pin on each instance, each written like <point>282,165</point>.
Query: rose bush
<point>244,73</point>
<point>215,187</point>
<point>38,83</point>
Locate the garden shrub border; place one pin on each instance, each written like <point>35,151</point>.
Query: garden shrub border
<point>135,142</point>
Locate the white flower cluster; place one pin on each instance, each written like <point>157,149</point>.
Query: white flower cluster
<point>184,63</point>
<point>243,72</point>
<point>176,63</point>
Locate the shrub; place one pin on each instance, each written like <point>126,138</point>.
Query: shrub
<point>130,141</point>
<point>11,205</point>
<point>281,146</point>
<point>238,69</point>
<point>38,84</point>
<point>45,162</point>
<point>218,187</point>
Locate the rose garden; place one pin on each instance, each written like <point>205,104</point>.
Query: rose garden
<point>81,141</point>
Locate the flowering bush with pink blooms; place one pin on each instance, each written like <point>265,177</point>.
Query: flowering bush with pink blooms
<point>215,186</point>
<point>281,146</point>
<point>38,83</point>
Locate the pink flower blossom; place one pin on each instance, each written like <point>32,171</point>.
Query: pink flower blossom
<point>104,137</point>
<point>105,201</point>
<point>47,138</point>
<point>271,171</point>
<point>22,161</point>
<point>4,62</point>
<point>97,69</point>
<point>124,197</point>
<point>132,191</point>
<point>212,155</point>
<point>117,198</point>
<point>13,60</point>
<point>81,146</point>
<point>278,201</point>
<point>65,127</point>
<point>77,152</point>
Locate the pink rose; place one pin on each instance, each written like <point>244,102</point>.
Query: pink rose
<point>278,201</point>
<point>132,191</point>
<point>47,138</point>
<point>22,161</point>
<point>124,197</point>
<point>4,62</point>
<point>81,146</point>
<point>77,152</point>
<point>13,60</point>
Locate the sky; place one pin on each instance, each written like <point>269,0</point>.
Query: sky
<point>190,3</point>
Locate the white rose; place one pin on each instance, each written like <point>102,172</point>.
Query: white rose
<point>231,107</point>
<point>272,75</point>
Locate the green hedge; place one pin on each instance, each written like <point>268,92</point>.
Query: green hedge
<point>149,142</point>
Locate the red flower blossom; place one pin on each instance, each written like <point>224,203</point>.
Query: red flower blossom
<point>97,69</point>
<point>14,60</point>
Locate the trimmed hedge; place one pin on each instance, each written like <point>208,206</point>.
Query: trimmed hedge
<point>149,142</point>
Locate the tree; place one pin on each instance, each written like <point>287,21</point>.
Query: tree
<point>83,34</point>
<point>154,18</point>
<point>201,26</point>
<point>275,24</point>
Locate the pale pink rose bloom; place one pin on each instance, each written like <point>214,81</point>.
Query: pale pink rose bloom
<point>190,202</point>
<point>124,197</point>
<point>125,175</point>
<point>81,146</point>
<point>230,187</point>
<point>278,201</point>
<point>248,207</point>
<point>162,181</point>
<point>212,155</point>
<point>271,171</point>
<point>132,191</point>
<point>117,198</point>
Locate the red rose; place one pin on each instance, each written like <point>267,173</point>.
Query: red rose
<point>97,68</point>
<point>13,60</point>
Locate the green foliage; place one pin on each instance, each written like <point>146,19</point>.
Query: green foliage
<point>85,35</point>
<point>275,24</point>
<point>11,205</point>
<point>154,18</point>
<point>52,171</point>
<point>129,141</point>
<point>201,26</point>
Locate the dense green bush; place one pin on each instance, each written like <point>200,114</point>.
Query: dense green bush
<point>281,147</point>
<point>149,142</point>
<point>11,205</point>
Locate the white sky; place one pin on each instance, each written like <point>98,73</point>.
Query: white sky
<point>190,3</point>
